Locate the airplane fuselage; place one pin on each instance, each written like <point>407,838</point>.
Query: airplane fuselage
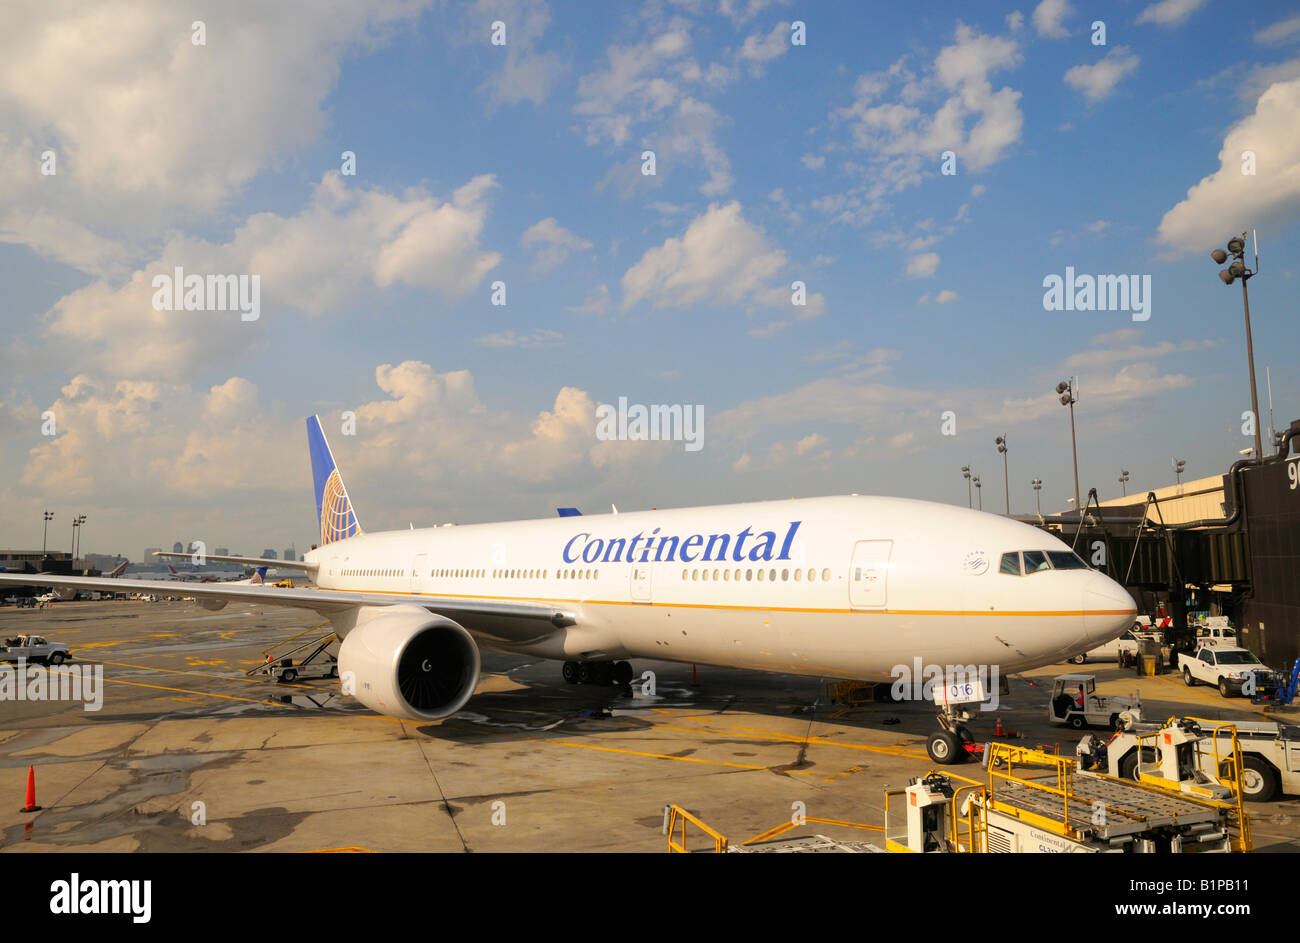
<point>843,587</point>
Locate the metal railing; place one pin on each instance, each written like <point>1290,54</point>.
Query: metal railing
<point>676,818</point>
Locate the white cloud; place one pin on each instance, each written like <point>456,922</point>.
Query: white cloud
<point>538,337</point>
<point>550,243</point>
<point>902,138</point>
<point>150,129</point>
<point>946,296</point>
<point>1098,81</point>
<point>1280,32</point>
<point>1170,12</point>
<point>524,73</point>
<point>1015,21</point>
<point>813,162</point>
<point>923,265</point>
<point>596,303</point>
<point>1126,351</point>
<point>1270,197</point>
<point>720,257</point>
<point>758,50</point>
<point>343,243</point>
<point>1048,16</point>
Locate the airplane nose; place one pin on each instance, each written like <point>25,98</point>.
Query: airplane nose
<point>1108,609</point>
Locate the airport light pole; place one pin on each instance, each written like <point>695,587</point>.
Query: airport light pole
<point>1238,270</point>
<point>976,481</point>
<point>1006,481</point>
<point>1123,478</point>
<point>75,524</point>
<point>1179,465</point>
<point>965,473</point>
<point>1068,391</point>
<point>45,539</point>
<point>81,519</point>
<point>1038,503</point>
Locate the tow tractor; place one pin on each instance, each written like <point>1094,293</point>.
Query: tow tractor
<point>1098,710</point>
<point>319,662</point>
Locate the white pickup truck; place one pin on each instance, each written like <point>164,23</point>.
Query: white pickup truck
<point>1228,669</point>
<point>35,649</point>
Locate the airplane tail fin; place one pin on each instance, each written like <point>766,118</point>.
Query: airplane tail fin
<point>333,508</point>
<point>121,568</point>
<point>259,577</point>
<point>173,570</point>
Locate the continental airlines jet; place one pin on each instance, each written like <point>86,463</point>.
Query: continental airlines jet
<point>838,587</point>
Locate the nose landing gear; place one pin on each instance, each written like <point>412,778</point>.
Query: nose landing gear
<point>953,742</point>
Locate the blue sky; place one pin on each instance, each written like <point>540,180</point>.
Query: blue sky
<point>521,163</point>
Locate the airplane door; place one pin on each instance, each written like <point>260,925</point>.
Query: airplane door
<point>869,574</point>
<point>641,589</point>
<point>417,571</point>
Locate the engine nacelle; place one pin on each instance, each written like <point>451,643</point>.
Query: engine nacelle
<point>404,661</point>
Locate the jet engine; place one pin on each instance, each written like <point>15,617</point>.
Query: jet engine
<point>404,661</point>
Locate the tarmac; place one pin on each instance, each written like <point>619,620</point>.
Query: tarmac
<point>186,753</point>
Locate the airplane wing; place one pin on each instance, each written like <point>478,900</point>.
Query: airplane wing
<point>497,619</point>
<point>246,561</point>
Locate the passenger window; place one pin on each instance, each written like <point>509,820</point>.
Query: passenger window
<point>826,575</point>
<point>1010,563</point>
<point>760,576</point>
<point>1035,560</point>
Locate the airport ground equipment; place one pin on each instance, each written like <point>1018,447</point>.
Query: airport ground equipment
<point>1037,802</point>
<point>1286,695</point>
<point>1099,710</point>
<point>35,649</point>
<point>1233,670</point>
<point>319,662</point>
<point>1253,760</point>
<point>677,819</point>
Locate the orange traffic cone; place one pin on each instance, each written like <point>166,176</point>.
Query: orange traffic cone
<point>997,731</point>
<point>31,791</point>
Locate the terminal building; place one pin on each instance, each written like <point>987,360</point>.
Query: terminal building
<point>1227,545</point>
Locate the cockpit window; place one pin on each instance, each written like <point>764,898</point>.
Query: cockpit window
<point>1010,563</point>
<point>1035,560</point>
<point>1065,560</point>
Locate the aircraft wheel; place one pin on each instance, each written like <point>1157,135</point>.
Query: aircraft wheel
<point>1078,721</point>
<point>584,672</point>
<point>944,747</point>
<point>603,673</point>
<point>622,672</point>
<point>570,672</point>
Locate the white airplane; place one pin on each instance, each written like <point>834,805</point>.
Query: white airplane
<point>838,587</point>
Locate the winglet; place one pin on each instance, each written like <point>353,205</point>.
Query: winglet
<point>333,508</point>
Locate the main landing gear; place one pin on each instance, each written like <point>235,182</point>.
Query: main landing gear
<point>603,673</point>
<point>953,742</point>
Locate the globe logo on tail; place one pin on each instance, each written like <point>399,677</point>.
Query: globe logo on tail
<point>336,518</point>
